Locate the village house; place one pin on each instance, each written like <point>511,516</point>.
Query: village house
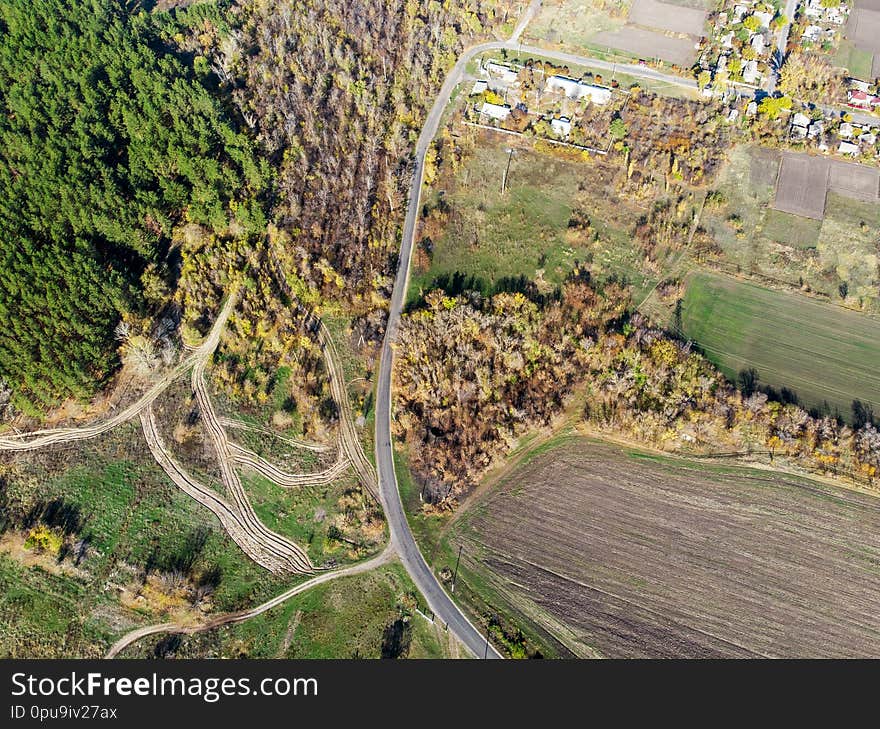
<point>751,74</point>
<point>758,44</point>
<point>862,99</point>
<point>849,148</point>
<point>799,124</point>
<point>479,87</point>
<point>764,18</point>
<point>502,72</point>
<point>561,127</point>
<point>813,33</point>
<point>499,112</point>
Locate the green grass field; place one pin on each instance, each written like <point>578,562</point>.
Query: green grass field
<point>524,232</point>
<point>792,229</point>
<point>131,517</point>
<point>492,236</point>
<point>855,60</point>
<point>345,618</point>
<point>823,352</point>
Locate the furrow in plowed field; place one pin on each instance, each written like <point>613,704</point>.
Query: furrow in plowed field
<point>640,557</point>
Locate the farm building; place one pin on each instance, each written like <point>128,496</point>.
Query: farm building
<point>495,111</point>
<point>479,88</point>
<point>579,90</point>
<point>501,72</point>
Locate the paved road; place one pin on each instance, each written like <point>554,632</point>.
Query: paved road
<point>401,537</point>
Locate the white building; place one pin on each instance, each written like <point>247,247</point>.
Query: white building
<point>758,44</point>
<point>751,75</point>
<point>764,19</point>
<point>561,127</point>
<point>800,120</point>
<point>845,131</point>
<point>502,72</point>
<point>849,148</point>
<point>479,87</point>
<point>495,111</point>
<point>812,33</point>
<point>579,90</point>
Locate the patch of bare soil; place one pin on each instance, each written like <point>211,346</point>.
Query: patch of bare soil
<point>629,556</point>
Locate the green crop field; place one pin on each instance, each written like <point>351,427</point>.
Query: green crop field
<point>822,352</point>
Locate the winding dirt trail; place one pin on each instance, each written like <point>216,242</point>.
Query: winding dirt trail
<point>244,457</point>
<point>230,518</point>
<point>236,424</point>
<point>348,436</point>
<point>40,438</point>
<point>290,553</point>
<point>239,617</point>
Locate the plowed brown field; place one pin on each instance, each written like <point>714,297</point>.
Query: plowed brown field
<point>624,555</point>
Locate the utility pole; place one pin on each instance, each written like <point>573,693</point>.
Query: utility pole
<point>455,574</point>
<point>507,170</point>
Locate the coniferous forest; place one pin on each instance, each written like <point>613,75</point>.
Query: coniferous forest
<point>108,139</point>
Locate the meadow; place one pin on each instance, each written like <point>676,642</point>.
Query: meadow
<point>492,239</point>
<point>134,525</point>
<point>354,617</point>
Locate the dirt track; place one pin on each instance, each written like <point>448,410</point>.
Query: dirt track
<point>39,438</point>
<point>240,617</point>
<point>626,557</point>
<point>273,551</point>
<point>351,445</point>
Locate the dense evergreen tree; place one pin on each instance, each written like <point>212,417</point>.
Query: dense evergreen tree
<point>108,140</point>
